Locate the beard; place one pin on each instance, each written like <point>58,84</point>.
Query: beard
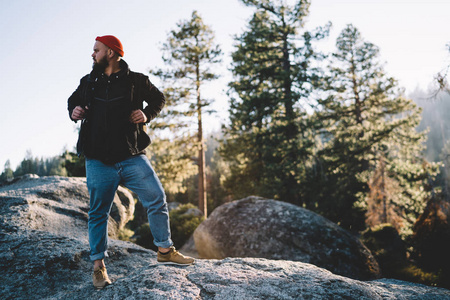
<point>100,66</point>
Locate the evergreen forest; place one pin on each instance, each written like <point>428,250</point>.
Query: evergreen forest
<point>330,132</point>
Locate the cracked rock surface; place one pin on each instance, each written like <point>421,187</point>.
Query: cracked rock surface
<point>45,259</point>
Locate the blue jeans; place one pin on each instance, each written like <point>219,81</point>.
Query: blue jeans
<point>137,174</point>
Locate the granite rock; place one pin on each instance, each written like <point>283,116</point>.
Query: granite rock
<point>257,227</point>
<point>44,255</point>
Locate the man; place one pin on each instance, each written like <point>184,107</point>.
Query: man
<point>109,101</point>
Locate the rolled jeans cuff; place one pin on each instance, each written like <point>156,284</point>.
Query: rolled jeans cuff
<point>98,256</point>
<point>165,244</point>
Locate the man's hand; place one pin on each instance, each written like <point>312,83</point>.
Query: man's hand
<point>138,116</point>
<point>78,113</point>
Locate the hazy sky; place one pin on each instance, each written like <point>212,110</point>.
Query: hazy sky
<point>46,47</point>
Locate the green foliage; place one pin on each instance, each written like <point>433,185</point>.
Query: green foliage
<point>190,55</point>
<point>183,223</point>
<point>268,141</point>
<point>66,164</point>
<point>366,120</point>
<point>8,173</point>
<point>431,239</point>
<point>172,158</point>
<point>33,165</point>
<point>125,234</point>
<point>217,170</point>
<point>413,273</point>
<point>144,237</point>
<point>387,247</point>
<point>436,120</point>
<point>74,165</point>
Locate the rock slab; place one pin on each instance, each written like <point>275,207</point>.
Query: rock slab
<point>52,262</point>
<point>60,205</point>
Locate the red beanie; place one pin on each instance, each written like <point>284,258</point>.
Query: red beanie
<point>112,42</point>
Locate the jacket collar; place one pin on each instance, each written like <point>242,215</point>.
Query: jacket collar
<point>124,71</point>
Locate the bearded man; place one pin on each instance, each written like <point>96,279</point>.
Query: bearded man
<point>110,103</point>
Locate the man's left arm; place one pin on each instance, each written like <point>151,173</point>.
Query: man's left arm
<point>155,101</point>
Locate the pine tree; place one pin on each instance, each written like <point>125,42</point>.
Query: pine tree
<point>267,141</point>
<point>367,120</point>
<point>172,158</point>
<point>190,54</point>
<point>73,164</point>
<point>27,165</point>
<point>7,174</point>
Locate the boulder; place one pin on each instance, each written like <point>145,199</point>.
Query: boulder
<point>52,262</point>
<point>173,205</point>
<point>122,210</point>
<point>61,204</point>
<point>193,212</point>
<point>257,227</point>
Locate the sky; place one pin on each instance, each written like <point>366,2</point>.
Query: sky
<point>47,45</point>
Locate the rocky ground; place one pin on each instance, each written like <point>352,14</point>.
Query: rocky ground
<point>44,255</point>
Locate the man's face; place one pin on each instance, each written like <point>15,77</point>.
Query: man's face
<point>100,56</point>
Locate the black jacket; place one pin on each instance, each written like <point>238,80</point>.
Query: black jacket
<point>105,133</point>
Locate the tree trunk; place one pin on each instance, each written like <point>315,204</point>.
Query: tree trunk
<point>291,127</point>
<point>383,192</point>
<point>202,200</point>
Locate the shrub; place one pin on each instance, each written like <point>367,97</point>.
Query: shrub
<point>413,273</point>
<point>390,251</point>
<point>125,234</point>
<point>144,237</point>
<point>183,222</point>
<point>387,247</point>
<point>431,239</point>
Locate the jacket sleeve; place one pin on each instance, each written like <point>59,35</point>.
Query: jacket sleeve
<point>75,99</point>
<point>154,98</point>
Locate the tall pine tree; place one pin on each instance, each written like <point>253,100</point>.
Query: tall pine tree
<point>190,54</point>
<point>267,141</point>
<point>367,120</point>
